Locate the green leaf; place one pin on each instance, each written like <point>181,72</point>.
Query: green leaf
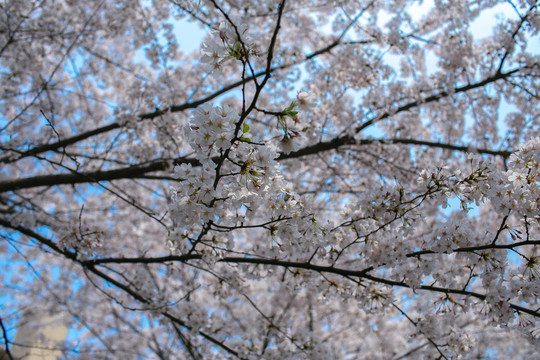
<point>245,128</point>
<point>245,139</point>
<point>291,113</point>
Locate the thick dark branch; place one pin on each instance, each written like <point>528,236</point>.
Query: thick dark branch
<point>131,172</point>
<point>141,260</point>
<point>300,265</point>
<point>142,171</point>
<point>432,144</point>
<point>237,260</point>
<point>349,140</point>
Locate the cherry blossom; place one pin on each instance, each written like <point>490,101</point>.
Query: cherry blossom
<point>316,180</point>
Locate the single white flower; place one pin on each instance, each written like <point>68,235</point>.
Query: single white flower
<point>304,101</point>
<point>288,144</point>
<point>517,178</point>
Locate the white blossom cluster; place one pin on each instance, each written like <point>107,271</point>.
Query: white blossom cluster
<point>249,188</point>
<point>513,191</point>
<point>233,43</point>
<point>518,189</point>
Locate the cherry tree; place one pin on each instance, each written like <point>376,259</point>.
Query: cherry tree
<point>319,180</point>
